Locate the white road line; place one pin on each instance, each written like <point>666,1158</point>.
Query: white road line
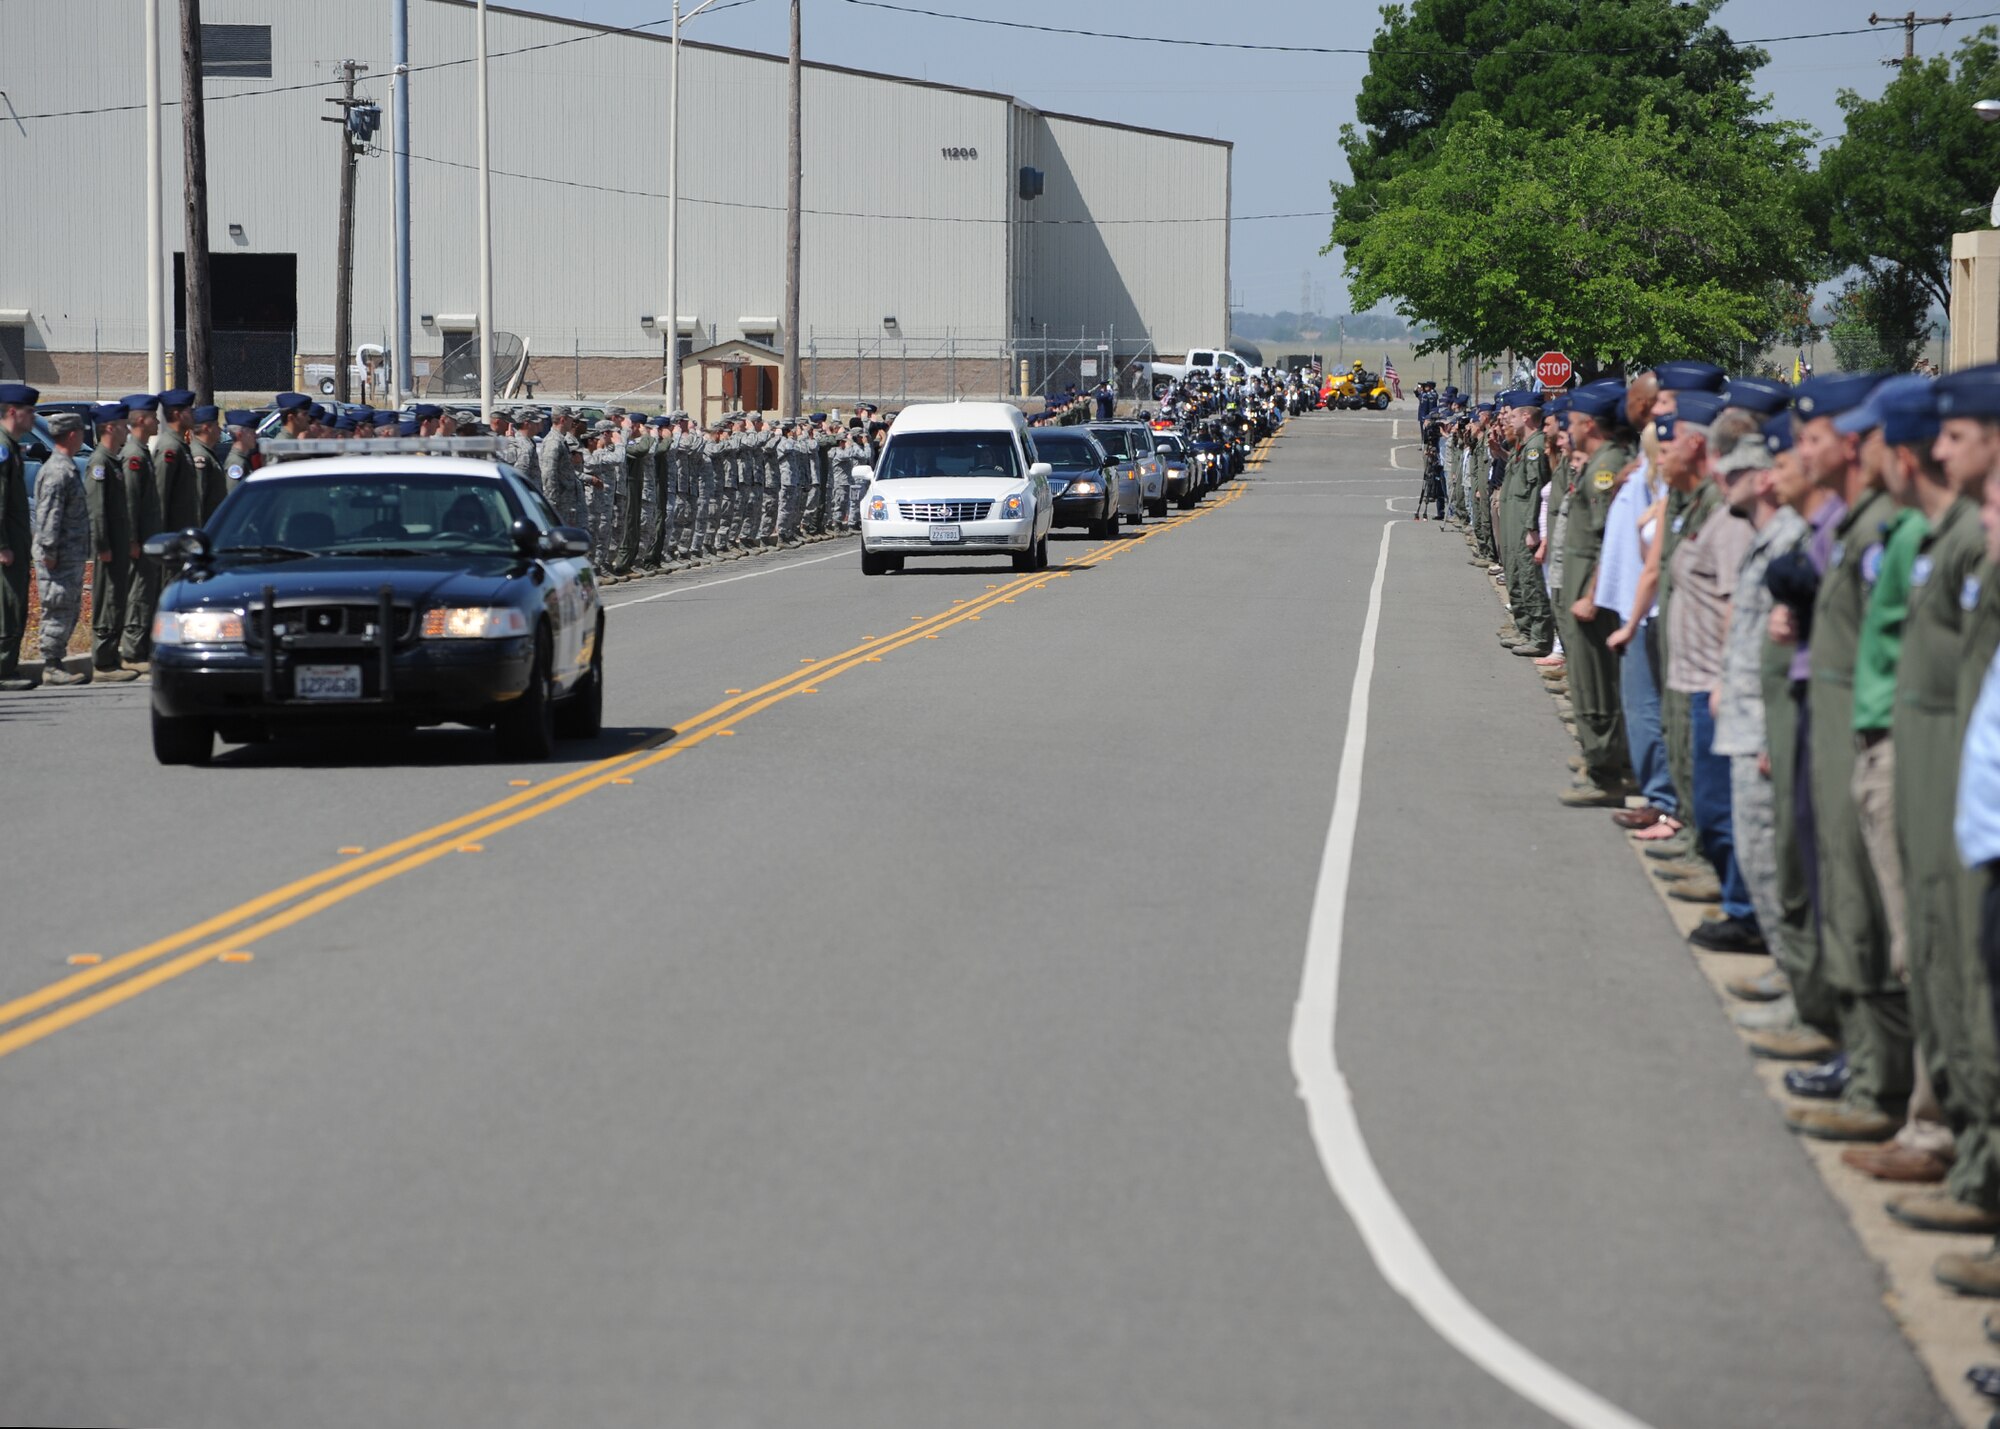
<point>726,580</point>
<point>1396,465</point>
<point>1398,1252</point>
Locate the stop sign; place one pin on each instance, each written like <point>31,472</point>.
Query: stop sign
<point>1552,369</point>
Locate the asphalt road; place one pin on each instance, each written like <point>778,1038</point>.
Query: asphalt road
<point>905,1045</point>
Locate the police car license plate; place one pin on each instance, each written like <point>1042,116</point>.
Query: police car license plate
<point>946,536</point>
<point>327,682</point>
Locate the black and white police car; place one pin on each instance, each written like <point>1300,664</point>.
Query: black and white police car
<point>403,581</point>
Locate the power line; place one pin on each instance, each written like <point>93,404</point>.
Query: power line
<point>603,33</point>
<point>853,213</point>
<point>1436,50</point>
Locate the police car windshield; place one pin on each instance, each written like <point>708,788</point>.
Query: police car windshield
<point>1068,451</point>
<point>375,515</point>
<point>948,454</point>
<point>1169,444</point>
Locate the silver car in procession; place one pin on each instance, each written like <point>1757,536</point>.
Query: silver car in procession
<point>1183,481</point>
<point>1139,466</point>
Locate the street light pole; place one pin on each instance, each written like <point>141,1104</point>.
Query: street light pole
<point>674,200</point>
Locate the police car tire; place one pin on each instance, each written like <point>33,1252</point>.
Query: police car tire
<point>873,564</point>
<point>1157,508</point>
<point>526,728</point>
<point>183,740</point>
<point>1189,497</point>
<point>1042,554</point>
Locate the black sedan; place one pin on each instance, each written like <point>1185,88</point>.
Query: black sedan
<point>387,589</point>
<point>1082,479</point>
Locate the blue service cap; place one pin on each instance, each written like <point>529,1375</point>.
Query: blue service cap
<point>291,401</point>
<point>1598,399</point>
<point>343,423</point>
<point>1697,408</point>
<point>1689,377</point>
<point>816,417</point>
<point>108,412</point>
<point>406,428</point>
<point>1483,408</point>
<point>176,397</point>
<point>1778,433</point>
<point>322,413</point>
<point>205,414</point>
<point>1868,415</point>
<point>383,417</point>
<point>240,417</point>
<point>663,422</point>
<point>1910,414</point>
<point>140,402</point>
<point>18,394</point>
<point>1830,396</point>
<point>427,412</point>
<point>1766,396</point>
<point>1521,399</point>
<point>1970,392</point>
<point>1560,405</point>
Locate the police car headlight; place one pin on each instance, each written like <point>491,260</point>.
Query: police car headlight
<point>1016,507</point>
<point>197,627</point>
<point>1084,488</point>
<point>878,508</point>
<point>474,622</point>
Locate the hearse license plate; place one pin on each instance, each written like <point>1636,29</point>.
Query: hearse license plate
<point>945,536</point>
<point>328,682</point>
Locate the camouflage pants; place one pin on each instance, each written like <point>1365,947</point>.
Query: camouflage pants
<point>839,499</point>
<point>62,601</point>
<point>682,516</point>
<point>816,500</point>
<point>762,527</point>
<point>791,509</point>
<point>600,504</point>
<point>645,543</point>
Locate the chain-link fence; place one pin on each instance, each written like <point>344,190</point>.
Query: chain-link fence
<point>896,367</point>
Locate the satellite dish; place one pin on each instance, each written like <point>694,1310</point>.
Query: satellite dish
<point>1993,213</point>
<point>1988,109</point>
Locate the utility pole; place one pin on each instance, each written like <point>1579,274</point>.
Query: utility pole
<point>794,161</point>
<point>485,237</point>
<point>156,258</point>
<point>200,374</point>
<point>1911,23</point>
<point>343,288</point>
<point>399,104</point>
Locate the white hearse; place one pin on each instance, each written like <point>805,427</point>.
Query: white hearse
<point>956,479</point>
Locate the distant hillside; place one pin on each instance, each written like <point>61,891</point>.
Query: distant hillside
<point>1319,327</point>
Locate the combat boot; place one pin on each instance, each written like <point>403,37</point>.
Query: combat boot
<point>1841,1122</point>
<point>1977,1274</point>
<point>1795,1044</point>
<point>1942,1211</point>
<point>54,674</point>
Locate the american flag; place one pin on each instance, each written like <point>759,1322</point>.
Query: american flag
<point>1389,376</point>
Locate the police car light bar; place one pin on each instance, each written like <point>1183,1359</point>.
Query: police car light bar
<point>383,446</point>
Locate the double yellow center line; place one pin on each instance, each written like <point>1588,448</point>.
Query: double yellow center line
<point>86,993</point>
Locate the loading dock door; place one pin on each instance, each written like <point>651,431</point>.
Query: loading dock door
<point>255,297</point>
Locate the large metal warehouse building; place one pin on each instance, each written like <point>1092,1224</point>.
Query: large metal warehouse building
<point>924,268</point>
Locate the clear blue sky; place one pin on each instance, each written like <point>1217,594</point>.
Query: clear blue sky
<point>1283,112</point>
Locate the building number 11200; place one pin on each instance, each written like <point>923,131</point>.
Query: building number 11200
<point>959,153</point>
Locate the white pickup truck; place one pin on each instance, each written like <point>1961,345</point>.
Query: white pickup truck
<point>1216,361</point>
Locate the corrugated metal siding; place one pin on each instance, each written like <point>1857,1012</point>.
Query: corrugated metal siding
<point>576,265</point>
<point>1153,256</point>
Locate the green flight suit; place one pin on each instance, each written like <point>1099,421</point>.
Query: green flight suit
<point>1948,984</point>
<point>1593,667</point>
<point>1854,934</point>
<point>638,461</point>
<point>142,506</point>
<point>179,482</point>
<point>111,537</point>
<point>1795,943</point>
<point>1520,495</point>
<point>17,535</point>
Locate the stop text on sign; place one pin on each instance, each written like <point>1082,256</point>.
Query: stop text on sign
<point>1552,369</point>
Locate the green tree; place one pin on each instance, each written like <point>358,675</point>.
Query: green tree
<point>1539,67</point>
<point>1893,190</point>
<point>1614,241</point>
<point>1881,320</point>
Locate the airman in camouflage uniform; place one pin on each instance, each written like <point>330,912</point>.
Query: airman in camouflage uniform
<point>61,546</point>
<point>562,484</point>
